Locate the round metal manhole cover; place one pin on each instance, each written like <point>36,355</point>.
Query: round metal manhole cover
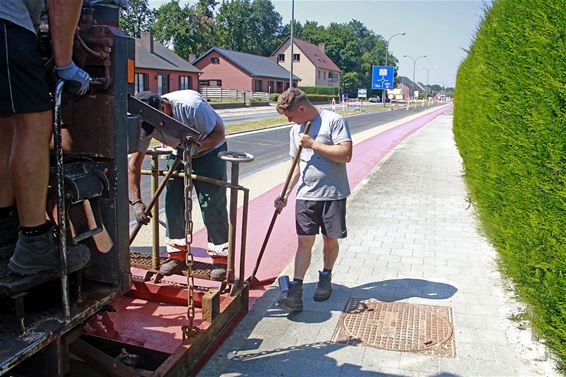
<point>395,326</point>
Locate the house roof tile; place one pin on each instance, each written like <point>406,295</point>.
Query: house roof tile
<point>162,59</point>
<point>255,65</point>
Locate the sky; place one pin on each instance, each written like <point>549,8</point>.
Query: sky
<point>441,29</point>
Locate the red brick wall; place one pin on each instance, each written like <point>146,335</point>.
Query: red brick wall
<point>173,79</point>
<point>232,76</point>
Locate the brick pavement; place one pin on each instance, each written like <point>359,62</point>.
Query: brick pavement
<point>412,238</point>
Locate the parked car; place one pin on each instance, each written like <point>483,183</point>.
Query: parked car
<point>374,99</point>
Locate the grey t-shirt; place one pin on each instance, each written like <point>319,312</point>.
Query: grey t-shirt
<point>24,13</point>
<point>191,109</point>
<point>321,178</point>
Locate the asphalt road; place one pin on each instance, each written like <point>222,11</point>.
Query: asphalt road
<point>271,146</point>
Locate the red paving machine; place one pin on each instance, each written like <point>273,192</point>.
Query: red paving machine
<point>117,317</point>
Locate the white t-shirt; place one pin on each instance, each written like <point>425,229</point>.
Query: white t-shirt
<point>321,178</point>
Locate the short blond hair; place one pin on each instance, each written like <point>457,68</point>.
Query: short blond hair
<point>291,99</point>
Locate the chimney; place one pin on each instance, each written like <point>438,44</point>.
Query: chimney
<point>321,46</point>
<point>147,41</point>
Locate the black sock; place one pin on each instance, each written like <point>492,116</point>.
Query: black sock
<point>6,212</point>
<point>36,230</point>
<point>327,271</point>
<point>299,282</point>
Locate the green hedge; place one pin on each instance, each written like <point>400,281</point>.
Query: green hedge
<point>328,90</point>
<point>273,97</point>
<point>510,127</point>
<point>320,97</point>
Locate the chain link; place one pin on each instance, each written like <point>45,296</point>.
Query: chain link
<point>189,147</point>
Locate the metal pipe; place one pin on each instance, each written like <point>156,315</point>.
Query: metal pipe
<point>386,56</point>
<point>235,172</point>
<point>195,177</point>
<point>292,39</point>
<point>243,238</point>
<point>155,213</point>
<point>62,224</point>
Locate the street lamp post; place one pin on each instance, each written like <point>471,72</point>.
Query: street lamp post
<point>292,42</point>
<point>414,66</point>
<point>384,92</point>
<point>427,69</point>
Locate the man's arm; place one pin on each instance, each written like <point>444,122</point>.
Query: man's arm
<point>212,139</point>
<point>63,18</point>
<point>341,152</point>
<point>134,184</point>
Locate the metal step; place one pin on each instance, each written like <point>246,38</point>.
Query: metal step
<point>201,270</point>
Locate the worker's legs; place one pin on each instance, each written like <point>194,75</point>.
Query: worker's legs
<point>29,165</point>
<point>303,256</point>
<point>6,130</point>
<point>212,198</point>
<point>8,214</point>
<point>330,251</point>
<point>175,215</point>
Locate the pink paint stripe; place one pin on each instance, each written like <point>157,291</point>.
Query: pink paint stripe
<point>282,244</point>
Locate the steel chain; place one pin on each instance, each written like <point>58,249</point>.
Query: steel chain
<point>187,147</point>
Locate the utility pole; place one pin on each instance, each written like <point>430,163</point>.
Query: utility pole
<point>384,92</point>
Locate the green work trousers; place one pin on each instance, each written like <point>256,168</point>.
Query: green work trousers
<point>211,198</point>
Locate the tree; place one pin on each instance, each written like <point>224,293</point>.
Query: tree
<point>139,17</point>
<point>267,26</point>
<point>253,27</point>
<point>188,29</point>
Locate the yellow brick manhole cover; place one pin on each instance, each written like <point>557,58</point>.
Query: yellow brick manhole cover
<point>397,326</point>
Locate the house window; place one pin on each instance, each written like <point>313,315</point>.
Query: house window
<point>281,57</point>
<point>185,82</point>
<point>296,57</point>
<point>141,82</point>
<point>319,72</point>
<point>270,86</point>
<point>162,84</point>
<point>333,76</point>
<point>258,86</point>
<point>215,60</point>
<point>324,75</point>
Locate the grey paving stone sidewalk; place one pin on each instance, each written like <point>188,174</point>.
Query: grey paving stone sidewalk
<point>412,238</point>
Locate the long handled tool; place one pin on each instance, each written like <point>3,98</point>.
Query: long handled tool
<point>254,282</point>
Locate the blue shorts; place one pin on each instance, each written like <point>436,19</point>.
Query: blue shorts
<point>325,216</point>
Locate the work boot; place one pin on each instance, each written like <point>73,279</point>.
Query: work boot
<point>218,272</point>
<point>8,235</point>
<point>324,286</point>
<point>172,267</point>
<point>40,253</point>
<point>292,299</point>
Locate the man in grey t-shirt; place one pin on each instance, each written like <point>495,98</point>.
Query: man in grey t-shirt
<point>191,109</point>
<point>322,190</point>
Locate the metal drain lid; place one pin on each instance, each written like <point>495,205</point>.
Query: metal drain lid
<point>397,326</point>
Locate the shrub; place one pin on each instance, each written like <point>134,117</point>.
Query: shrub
<point>509,125</point>
<point>320,97</point>
<point>273,97</point>
<point>328,90</point>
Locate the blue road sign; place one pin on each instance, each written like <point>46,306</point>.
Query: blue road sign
<point>382,77</point>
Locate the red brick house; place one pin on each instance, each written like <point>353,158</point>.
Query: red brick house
<point>160,70</point>
<point>238,70</point>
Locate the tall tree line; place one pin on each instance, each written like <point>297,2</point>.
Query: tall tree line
<point>253,26</point>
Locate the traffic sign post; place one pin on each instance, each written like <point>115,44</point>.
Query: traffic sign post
<point>382,78</point>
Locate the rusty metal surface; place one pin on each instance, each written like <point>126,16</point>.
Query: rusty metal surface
<point>200,270</point>
<point>43,321</point>
<point>397,326</point>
